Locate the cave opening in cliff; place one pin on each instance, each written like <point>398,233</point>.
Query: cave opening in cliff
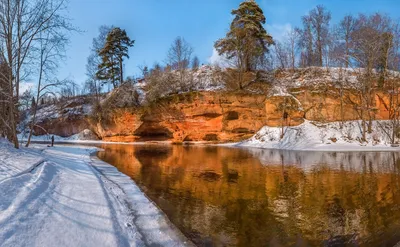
<point>158,133</point>
<point>232,115</point>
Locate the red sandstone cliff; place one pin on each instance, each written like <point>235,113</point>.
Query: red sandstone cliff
<point>217,116</point>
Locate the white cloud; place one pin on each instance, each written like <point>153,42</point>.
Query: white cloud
<point>278,31</point>
<point>216,59</point>
<point>26,86</point>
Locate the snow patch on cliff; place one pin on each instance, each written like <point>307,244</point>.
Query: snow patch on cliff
<point>314,76</point>
<point>78,106</point>
<point>207,78</point>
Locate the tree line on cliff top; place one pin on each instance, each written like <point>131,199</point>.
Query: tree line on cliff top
<point>371,42</point>
<point>363,41</point>
<point>34,34</point>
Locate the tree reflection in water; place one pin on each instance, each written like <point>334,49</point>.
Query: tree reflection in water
<point>221,196</point>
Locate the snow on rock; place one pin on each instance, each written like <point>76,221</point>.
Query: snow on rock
<point>322,136</point>
<point>204,78</point>
<point>314,76</point>
<point>78,106</point>
<point>207,78</point>
<point>73,199</point>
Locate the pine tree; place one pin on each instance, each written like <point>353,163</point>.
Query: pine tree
<point>112,55</point>
<point>247,40</point>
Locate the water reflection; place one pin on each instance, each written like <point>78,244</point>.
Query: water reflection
<point>233,197</point>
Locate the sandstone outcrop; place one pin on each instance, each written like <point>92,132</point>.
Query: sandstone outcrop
<point>209,116</point>
<point>205,116</point>
<point>66,119</point>
<point>219,116</point>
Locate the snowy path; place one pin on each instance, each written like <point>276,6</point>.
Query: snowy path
<point>70,200</point>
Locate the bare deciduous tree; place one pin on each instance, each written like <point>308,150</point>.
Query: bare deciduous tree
<point>179,58</point>
<point>195,63</point>
<point>344,31</point>
<point>25,101</point>
<point>158,83</point>
<point>69,89</point>
<point>50,50</point>
<point>21,22</point>
<point>320,19</point>
<point>282,54</point>
<point>292,40</point>
<point>368,39</point>
<point>314,36</point>
<point>305,42</point>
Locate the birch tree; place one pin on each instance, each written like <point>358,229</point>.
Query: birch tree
<point>50,50</point>
<point>343,32</point>
<point>179,57</point>
<point>314,36</point>
<point>368,40</point>
<point>21,23</point>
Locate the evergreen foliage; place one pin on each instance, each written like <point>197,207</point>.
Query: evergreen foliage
<point>112,55</point>
<point>247,40</point>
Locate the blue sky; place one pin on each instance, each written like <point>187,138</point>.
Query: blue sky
<point>154,24</point>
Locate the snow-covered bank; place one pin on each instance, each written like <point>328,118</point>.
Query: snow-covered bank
<point>139,214</point>
<point>84,136</point>
<point>15,162</point>
<point>321,137</point>
<point>309,136</point>
<point>377,161</point>
<point>73,199</point>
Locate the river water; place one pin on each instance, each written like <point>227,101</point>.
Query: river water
<point>220,196</point>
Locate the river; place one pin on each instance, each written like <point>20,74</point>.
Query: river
<point>221,196</point>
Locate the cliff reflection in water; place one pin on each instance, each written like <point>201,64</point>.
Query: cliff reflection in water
<point>225,196</point>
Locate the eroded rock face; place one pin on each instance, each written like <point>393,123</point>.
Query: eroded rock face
<point>65,119</point>
<point>63,127</point>
<point>283,110</point>
<point>211,116</point>
<point>207,116</point>
<point>331,107</point>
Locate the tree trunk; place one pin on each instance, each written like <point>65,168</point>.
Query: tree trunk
<point>35,107</point>
<point>320,60</point>
<point>347,52</point>
<point>121,72</point>
<point>247,64</point>
<point>13,123</point>
<point>341,106</point>
<point>31,127</point>
<point>293,60</point>
<point>364,131</point>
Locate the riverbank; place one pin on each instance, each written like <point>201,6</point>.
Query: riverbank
<point>308,136</point>
<point>63,196</point>
<point>316,136</point>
